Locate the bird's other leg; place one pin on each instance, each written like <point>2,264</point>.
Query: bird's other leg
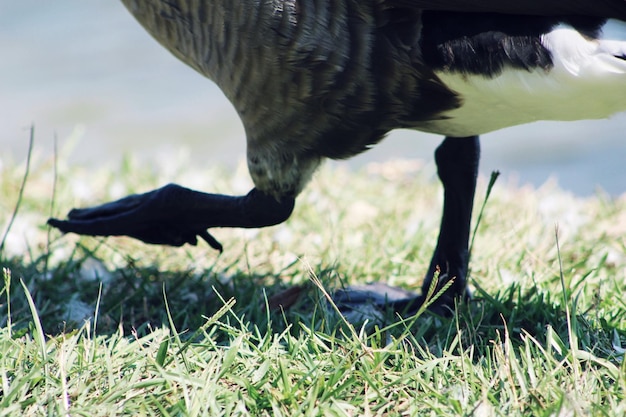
<point>174,215</point>
<point>457,166</point>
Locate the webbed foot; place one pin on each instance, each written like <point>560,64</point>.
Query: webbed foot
<point>174,215</point>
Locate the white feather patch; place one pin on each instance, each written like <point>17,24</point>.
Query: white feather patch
<point>588,81</point>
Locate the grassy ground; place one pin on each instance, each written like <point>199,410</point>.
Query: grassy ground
<point>114,327</point>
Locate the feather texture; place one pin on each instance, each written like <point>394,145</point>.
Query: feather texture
<point>315,79</point>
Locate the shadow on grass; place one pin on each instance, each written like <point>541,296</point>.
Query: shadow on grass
<point>136,299</point>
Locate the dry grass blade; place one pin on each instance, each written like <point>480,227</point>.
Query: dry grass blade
<point>20,195</point>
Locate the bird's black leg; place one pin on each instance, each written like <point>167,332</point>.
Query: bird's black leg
<point>174,215</point>
<point>457,165</point>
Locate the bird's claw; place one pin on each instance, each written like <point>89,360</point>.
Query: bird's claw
<point>163,216</point>
<point>174,215</point>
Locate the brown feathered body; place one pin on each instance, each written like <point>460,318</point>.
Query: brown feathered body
<point>309,80</point>
<point>315,79</point>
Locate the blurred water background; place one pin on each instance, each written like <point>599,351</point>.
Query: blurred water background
<point>89,74</point>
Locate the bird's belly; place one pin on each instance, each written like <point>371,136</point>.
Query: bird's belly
<point>519,97</point>
<point>587,81</point>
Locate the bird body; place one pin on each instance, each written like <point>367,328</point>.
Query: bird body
<point>319,79</point>
<point>316,79</point>
<point>299,74</point>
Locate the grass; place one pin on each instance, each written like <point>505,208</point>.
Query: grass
<point>114,327</point>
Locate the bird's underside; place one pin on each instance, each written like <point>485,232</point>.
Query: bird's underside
<point>316,79</point>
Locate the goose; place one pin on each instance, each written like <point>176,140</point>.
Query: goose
<point>319,79</point>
